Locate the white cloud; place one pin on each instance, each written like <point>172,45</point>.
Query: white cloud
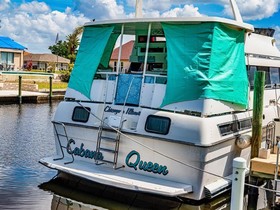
<point>4,4</point>
<point>35,26</point>
<point>186,11</point>
<point>255,9</point>
<point>152,8</point>
<point>34,7</point>
<point>152,4</point>
<point>101,9</point>
<point>156,5</point>
<point>277,36</point>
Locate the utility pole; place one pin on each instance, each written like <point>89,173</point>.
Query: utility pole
<point>56,41</point>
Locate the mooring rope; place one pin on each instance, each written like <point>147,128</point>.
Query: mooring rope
<point>151,149</point>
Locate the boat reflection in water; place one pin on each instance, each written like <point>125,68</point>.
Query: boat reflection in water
<point>89,195</point>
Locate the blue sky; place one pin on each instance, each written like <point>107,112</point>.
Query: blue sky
<point>35,24</point>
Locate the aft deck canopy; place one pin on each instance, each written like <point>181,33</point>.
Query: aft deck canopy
<point>205,60</point>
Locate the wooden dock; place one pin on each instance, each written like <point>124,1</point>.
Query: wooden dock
<point>12,97</point>
<point>264,167</point>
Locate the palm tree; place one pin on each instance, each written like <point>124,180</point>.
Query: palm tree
<point>73,43</point>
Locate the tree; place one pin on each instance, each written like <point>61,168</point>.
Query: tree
<point>60,49</point>
<point>73,43</point>
<point>68,48</point>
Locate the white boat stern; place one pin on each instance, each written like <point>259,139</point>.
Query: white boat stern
<point>119,178</point>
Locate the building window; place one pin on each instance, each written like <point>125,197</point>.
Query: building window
<point>157,124</point>
<point>81,114</point>
<point>116,64</point>
<point>7,60</point>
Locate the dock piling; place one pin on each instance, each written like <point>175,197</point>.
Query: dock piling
<point>50,92</point>
<point>259,82</point>
<point>238,182</point>
<point>19,89</point>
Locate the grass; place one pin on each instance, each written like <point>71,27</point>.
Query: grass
<point>55,85</point>
<point>41,81</point>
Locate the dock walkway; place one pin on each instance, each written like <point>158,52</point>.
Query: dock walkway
<point>11,97</point>
<point>264,167</point>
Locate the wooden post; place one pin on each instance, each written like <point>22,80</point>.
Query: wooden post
<point>50,92</point>
<point>257,113</point>
<point>259,79</point>
<point>19,89</point>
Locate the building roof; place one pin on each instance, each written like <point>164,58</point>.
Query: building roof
<point>45,58</point>
<point>8,43</point>
<point>126,51</point>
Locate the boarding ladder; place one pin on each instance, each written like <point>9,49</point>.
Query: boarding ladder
<point>62,138</point>
<point>111,135</point>
<point>108,142</point>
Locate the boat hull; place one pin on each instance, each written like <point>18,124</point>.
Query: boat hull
<point>153,165</point>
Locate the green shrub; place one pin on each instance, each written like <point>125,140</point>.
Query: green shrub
<point>65,76</point>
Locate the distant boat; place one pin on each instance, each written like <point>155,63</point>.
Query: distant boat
<point>169,124</point>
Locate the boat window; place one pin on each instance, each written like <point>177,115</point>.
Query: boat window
<point>157,124</point>
<point>152,50</point>
<point>135,67</point>
<point>228,128</point>
<point>235,126</point>
<point>161,80</point>
<point>274,75</point>
<point>267,76</point>
<point>251,73</point>
<point>81,114</point>
<point>149,80</point>
<point>245,124</point>
<point>143,39</point>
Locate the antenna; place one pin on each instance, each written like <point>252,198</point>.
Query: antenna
<point>235,11</point>
<point>138,9</point>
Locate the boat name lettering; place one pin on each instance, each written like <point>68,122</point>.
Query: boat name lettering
<point>80,151</point>
<point>110,109</point>
<point>143,165</point>
<point>129,111</point>
<point>132,112</point>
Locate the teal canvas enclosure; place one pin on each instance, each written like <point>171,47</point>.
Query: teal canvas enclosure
<point>205,60</point>
<point>91,53</point>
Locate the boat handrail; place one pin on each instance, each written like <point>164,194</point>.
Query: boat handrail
<point>155,75</point>
<point>107,72</point>
<point>263,56</point>
<point>115,73</point>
